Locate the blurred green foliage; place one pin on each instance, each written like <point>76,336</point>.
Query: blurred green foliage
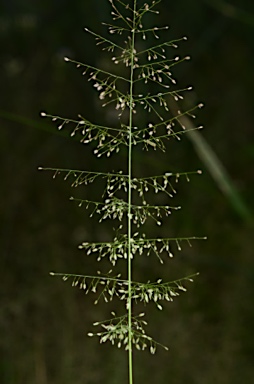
<point>43,323</point>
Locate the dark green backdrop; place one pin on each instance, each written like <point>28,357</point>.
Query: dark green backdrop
<point>43,322</point>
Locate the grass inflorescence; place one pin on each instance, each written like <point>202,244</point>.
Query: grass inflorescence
<point>144,88</point>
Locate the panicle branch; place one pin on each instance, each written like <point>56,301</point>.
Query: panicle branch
<point>140,245</point>
<point>107,286</point>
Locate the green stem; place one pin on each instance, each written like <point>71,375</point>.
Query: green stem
<point>129,302</point>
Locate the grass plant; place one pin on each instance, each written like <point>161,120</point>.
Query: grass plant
<point>139,93</point>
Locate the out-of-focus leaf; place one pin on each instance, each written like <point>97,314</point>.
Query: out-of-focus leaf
<point>215,167</point>
<point>31,123</point>
<point>232,11</point>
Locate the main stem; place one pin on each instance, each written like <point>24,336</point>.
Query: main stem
<point>129,302</point>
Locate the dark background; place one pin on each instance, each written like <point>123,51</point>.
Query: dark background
<point>44,322</point>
